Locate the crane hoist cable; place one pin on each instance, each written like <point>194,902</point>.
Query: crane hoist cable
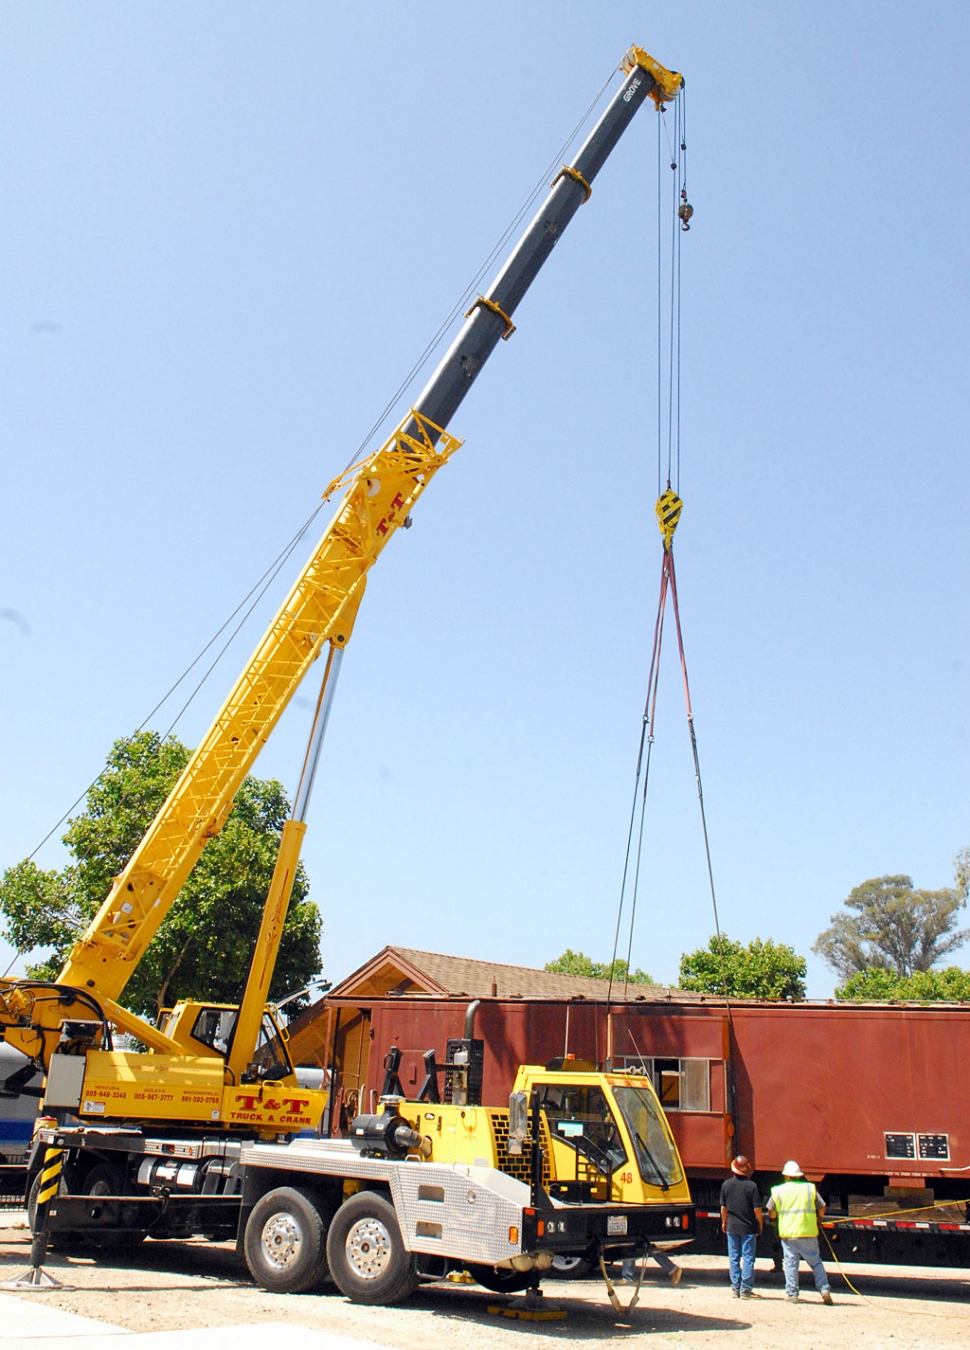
<point>459,308</point>
<point>668,509</point>
<point>669,296</point>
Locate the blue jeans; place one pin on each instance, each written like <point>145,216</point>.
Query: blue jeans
<point>802,1249</point>
<point>741,1260</point>
<point>631,1270</point>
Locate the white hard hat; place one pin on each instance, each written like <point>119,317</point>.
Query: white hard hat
<point>791,1169</point>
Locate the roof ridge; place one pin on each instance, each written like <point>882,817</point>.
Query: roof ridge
<point>412,952</point>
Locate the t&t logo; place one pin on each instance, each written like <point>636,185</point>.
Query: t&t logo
<point>292,1106</point>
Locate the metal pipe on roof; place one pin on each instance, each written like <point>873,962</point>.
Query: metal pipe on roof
<point>470,1012</point>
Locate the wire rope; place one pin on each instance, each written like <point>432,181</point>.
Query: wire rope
<point>652,686</point>
<point>672,288</point>
<point>693,742</point>
<point>680,236</point>
<point>458,308</point>
<point>645,749</point>
<point>642,772</point>
<point>660,304</point>
<point>669,346</point>
<point>259,589</point>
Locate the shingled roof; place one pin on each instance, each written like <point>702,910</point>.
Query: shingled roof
<point>404,970</point>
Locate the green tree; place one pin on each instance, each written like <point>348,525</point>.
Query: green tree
<point>758,970</point>
<point>203,948</point>
<point>577,963</point>
<point>891,926</point>
<point>876,984</point>
<point>961,871</point>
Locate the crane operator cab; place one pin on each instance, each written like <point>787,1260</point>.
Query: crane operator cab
<point>608,1138</point>
<point>591,1150</point>
<point>207,1029</point>
<point>604,1138</point>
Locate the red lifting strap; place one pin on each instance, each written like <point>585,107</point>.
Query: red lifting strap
<point>668,584</point>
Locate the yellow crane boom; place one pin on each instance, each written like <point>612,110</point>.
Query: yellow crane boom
<point>319,612</point>
<point>320,609</point>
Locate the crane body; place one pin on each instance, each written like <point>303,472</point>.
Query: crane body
<point>216,1080</point>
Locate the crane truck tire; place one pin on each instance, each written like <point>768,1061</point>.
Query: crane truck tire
<point>106,1179</point>
<point>286,1241</point>
<point>500,1281</point>
<point>368,1260</point>
<point>102,1179</point>
<point>570,1267</point>
<point>57,1242</point>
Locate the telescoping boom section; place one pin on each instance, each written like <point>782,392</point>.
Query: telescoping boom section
<point>189,1074</point>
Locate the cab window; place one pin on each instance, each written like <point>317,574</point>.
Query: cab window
<point>213,1027</point>
<point>656,1152</point>
<point>270,1057</point>
<point>574,1110</point>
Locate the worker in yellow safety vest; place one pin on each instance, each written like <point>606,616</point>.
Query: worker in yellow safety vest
<point>797,1207</point>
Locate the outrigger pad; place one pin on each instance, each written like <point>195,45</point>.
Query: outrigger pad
<point>531,1307</point>
<point>529,1314</point>
<point>34,1278</point>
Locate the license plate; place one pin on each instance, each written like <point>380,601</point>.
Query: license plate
<point>616,1225</point>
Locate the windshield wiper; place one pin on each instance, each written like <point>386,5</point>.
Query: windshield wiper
<point>664,1183</point>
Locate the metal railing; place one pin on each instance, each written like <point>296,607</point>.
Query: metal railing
<point>13,1186</point>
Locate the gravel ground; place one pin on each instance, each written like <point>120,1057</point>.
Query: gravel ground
<point>174,1286</point>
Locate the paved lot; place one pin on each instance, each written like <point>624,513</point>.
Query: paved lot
<point>157,1289</point>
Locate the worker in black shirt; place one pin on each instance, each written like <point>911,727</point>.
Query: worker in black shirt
<point>742,1221</point>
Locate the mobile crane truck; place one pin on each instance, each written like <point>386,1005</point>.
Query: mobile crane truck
<point>193,1135</point>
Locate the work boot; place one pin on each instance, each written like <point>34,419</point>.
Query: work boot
<point>826,1296</point>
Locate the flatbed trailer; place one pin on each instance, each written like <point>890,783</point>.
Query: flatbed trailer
<point>906,1242</point>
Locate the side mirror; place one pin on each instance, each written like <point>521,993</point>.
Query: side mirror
<point>518,1122</point>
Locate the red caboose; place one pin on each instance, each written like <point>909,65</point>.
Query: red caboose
<point>870,1099</point>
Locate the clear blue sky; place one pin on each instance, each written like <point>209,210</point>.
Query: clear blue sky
<point>229,229</point>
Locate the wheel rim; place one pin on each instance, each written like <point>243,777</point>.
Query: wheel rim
<point>565,1262</point>
<point>282,1241</point>
<point>368,1248</point>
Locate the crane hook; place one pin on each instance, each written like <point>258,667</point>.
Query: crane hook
<point>685,211</point>
<point>668,509</point>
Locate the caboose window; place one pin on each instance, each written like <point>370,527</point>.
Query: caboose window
<point>681,1084</point>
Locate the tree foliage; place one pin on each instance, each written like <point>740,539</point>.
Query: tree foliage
<point>961,872</point>
<point>891,926</point>
<point>203,948</point>
<point>577,963</point>
<point>951,985</point>
<point>758,970</point>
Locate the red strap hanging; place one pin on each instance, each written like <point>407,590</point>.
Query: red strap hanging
<point>669,507</point>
